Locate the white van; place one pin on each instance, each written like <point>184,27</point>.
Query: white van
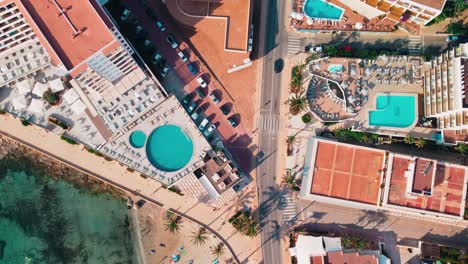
<point>203,124</point>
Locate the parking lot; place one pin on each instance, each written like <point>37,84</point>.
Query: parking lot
<point>180,71</point>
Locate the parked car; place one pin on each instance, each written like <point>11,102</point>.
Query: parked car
<point>451,38</point>
<point>182,56</point>
<point>203,124</point>
<point>214,98</point>
<point>187,99</point>
<point>209,130</point>
<point>170,39</point>
<point>191,107</point>
<point>279,65</point>
<point>197,112</point>
<point>317,49</point>
<point>192,69</point>
<point>233,121</point>
<point>225,109</point>
<point>125,14</point>
<point>165,70</point>
<point>201,82</point>
<point>161,26</point>
<point>156,57</point>
<point>200,93</point>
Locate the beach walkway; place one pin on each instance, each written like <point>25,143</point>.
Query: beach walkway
<point>245,250</point>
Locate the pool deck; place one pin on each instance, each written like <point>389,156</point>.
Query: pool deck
<point>363,82</point>
<point>346,23</point>
<point>168,112</point>
<point>371,106</point>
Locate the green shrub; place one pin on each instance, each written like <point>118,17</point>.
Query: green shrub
<point>2,112</point>
<point>306,118</point>
<point>25,123</point>
<point>50,97</point>
<point>68,140</point>
<point>90,150</point>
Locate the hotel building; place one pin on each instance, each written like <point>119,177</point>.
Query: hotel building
<point>420,11</point>
<point>75,50</point>
<point>445,89</point>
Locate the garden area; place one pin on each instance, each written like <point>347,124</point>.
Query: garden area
<point>349,52</point>
<point>243,222</point>
<point>297,100</point>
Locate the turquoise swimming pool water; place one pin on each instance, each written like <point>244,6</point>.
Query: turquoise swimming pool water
<point>393,111</point>
<point>335,68</point>
<point>322,10</point>
<point>137,139</point>
<point>169,148</point>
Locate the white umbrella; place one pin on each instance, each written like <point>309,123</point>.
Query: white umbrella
<point>3,68</point>
<point>293,15</point>
<point>19,102</point>
<point>300,16</point>
<point>23,87</point>
<point>351,99</point>
<point>36,106</point>
<point>364,92</point>
<point>39,89</point>
<point>310,21</point>
<point>358,26</point>
<point>56,85</point>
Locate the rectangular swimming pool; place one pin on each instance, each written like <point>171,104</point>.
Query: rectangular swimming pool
<point>393,111</point>
<point>322,10</point>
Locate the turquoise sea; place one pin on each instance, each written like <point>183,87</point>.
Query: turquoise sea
<point>47,221</point>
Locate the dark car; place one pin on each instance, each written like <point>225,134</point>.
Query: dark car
<point>187,99</point>
<point>192,69</point>
<point>225,109</point>
<point>232,120</point>
<point>200,93</point>
<point>279,65</point>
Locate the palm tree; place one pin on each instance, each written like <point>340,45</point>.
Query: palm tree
<point>173,222</point>
<point>251,228</point>
<point>420,142</point>
<point>462,148</point>
<point>331,50</point>
<point>459,6</point>
<point>297,104</point>
<point>218,250</point>
<point>199,237</point>
<point>409,140</point>
<point>289,180</point>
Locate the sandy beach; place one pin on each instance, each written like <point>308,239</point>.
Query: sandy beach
<point>159,245</point>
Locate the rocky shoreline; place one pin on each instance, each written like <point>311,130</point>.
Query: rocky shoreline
<point>12,151</point>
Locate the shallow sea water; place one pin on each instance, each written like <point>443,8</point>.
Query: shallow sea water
<point>47,221</point>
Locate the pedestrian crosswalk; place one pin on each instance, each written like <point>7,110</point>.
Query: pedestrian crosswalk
<point>295,45</point>
<point>415,45</point>
<point>269,123</point>
<point>288,208</point>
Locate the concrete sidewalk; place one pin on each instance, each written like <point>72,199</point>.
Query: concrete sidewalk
<point>244,248</point>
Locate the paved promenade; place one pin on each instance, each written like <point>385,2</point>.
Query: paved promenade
<point>244,248</point>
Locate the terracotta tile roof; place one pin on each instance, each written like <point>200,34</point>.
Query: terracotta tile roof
<point>355,258</point>
<point>436,4</point>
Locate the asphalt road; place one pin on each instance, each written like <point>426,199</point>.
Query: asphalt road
<point>270,38</point>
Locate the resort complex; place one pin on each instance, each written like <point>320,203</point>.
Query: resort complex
<point>368,15</point>
<point>246,131</point>
<point>65,67</point>
<point>373,179</point>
